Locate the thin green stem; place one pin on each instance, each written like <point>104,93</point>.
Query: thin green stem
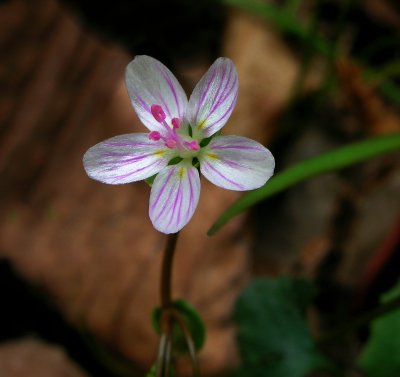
<point>364,319</point>
<point>330,161</point>
<point>164,350</point>
<point>164,356</point>
<point>171,317</point>
<point>162,347</point>
<point>166,271</point>
<point>189,341</point>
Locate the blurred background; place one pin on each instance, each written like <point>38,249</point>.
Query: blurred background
<point>80,261</point>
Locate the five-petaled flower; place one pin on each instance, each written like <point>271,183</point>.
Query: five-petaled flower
<point>183,137</point>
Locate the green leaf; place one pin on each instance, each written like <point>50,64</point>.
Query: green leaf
<point>337,159</point>
<point>390,90</point>
<point>381,355</point>
<point>192,320</point>
<point>175,160</point>
<point>273,335</point>
<point>150,180</point>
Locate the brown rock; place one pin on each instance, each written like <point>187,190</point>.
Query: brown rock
<point>92,246</point>
<point>266,70</point>
<point>32,357</point>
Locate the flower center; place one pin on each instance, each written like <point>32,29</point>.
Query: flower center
<point>169,135</point>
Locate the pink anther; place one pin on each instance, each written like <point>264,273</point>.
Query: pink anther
<point>158,113</point>
<point>175,123</point>
<point>192,145</point>
<point>154,135</point>
<point>170,143</point>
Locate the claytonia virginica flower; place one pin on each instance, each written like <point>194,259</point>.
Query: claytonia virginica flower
<point>183,137</point>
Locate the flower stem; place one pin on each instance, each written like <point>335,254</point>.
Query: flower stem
<point>189,342</point>
<point>166,270</point>
<point>171,317</point>
<point>164,359</point>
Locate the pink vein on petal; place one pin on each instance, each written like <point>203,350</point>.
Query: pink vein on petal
<point>237,147</point>
<point>227,113</point>
<point>190,173</point>
<point>226,93</point>
<point>222,176</point>
<point>128,144</point>
<point>205,93</point>
<point>164,105</point>
<point>153,205</point>
<point>121,162</point>
<point>165,204</point>
<point>118,177</point>
<point>218,94</point>
<point>172,88</point>
<point>143,104</point>
<point>234,164</point>
<point>179,210</point>
<point>174,206</point>
<point>132,156</point>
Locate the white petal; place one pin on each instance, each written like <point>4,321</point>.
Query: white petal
<point>174,197</point>
<point>149,82</point>
<point>237,163</point>
<point>126,158</point>
<point>214,97</point>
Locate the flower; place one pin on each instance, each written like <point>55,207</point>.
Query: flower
<point>184,135</point>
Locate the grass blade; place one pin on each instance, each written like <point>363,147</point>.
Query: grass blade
<point>334,160</point>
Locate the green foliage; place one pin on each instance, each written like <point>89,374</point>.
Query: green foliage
<point>175,160</point>
<point>192,320</point>
<point>283,15</point>
<point>386,75</point>
<point>381,355</point>
<point>273,335</point>
<point>150,180</point>
<point>337,159</point>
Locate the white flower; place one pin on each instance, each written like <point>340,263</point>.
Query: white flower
<point>182,137</point>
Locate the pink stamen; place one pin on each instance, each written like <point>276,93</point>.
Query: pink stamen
<point>154,135</point>
<point>158,113</point>
<point>170,143</point>
<point>193,145</point>
<point>176,123</point>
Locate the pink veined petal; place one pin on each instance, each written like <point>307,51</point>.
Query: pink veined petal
<point>214,97</point>
<point>237,163</point>
<point>174,197</point>
<point>149,82</point>
<point>126,158</point>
